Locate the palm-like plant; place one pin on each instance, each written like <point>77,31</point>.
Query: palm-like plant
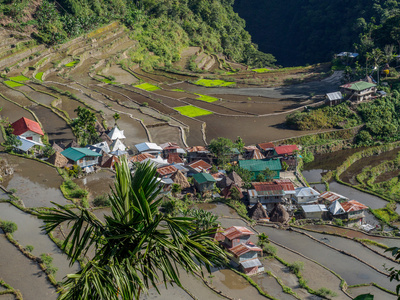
<point>136,247</point>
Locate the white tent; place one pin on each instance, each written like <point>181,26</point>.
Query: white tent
<point>116,133</point>
<point>335,208</point>
<point>117,145</point>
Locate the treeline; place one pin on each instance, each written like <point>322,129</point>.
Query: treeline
<point>310,31</point>
<point>211,24</point>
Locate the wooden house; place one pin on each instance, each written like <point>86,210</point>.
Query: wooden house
<point>334,98</point>
<point>358,91</point>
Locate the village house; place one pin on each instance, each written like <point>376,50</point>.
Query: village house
<point>198,153</point>
<point>267,193</point>
<point>252,152</point>
<point>285,150</point>
<point>166,171</point>
<point>245,253</point>
<point>334,98</point>
<point>358,91</point>
<point>28,145</point>
<point>351,210</point>
<point>27,129</point>
<point>99,147</point>
<point>82,157</point>
<point>151,148</point>
<point>172,148</point>
<point>257,166</point>
<point>174,158</point>
<point>199,166</point>
<point>315,211</point>
<point>305,195</point>
<point>267,149</point>
<point>203,182</point>
<point>329,197</point>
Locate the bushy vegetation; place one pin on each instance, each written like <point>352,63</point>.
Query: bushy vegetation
<point>8,226</point>
<point>161,27</point>
<point>339,116</point>
<point>102,200</point>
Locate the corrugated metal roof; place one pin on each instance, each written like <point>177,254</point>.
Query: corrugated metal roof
<point>148,147</point>
<point>251,263</point>
<point>141,157</point>
<point>241,249</point>
<point>286,149</point>
<point>203,177</point>
<point>266,146</point>
<point>334,96</point>
<point>252,193</point>
<point>116,133</point>
<point>353,205</point>
<point>286,184</point>
<point>257,165</point>
<point>174,158</point>
<point>331,196</point>
<point>358,85</point>
<point>197,149</point>
<point>200,166</point>
<point>305,192</point>
<point>236,231</point>
<point>335,208</point>
<point>76,154</point>
<point>166,170</point>
<point>314,208</point>
<point>27,144</point>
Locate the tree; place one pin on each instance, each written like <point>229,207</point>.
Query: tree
<point>268,174</point>
<point>84,126</point>
<point>12,142</point>
<point>260,177</point>
<point>116,117</point>
<point>240,144</point>
<point>222,149</point>
<point>137,246</point>
<point>203,219</point>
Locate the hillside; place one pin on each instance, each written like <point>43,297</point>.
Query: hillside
<point>163,27</point>
<point>298,32</point>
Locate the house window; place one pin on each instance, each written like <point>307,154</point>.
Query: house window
<point>80,161</point>
<point>29,138</point>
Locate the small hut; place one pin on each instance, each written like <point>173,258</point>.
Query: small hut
<point>258,212</point>
<point>232,191</point>
<point>110,162</point>
<point>72,144</point>
<point>57,147</point>
<point>237,180</point>
<point>104,158</point>
<point>180,179</point>
<point>58,160</point>
<point>279,214</point>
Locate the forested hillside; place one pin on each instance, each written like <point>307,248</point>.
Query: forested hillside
<point>297,32</point>
<point>163,27</point>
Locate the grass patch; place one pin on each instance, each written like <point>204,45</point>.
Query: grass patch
<point>261,70</point>
<point>106,80</point>
<point>147,87</point>
<point>72,63</point>
<point>192,111</point>
<point>19,78</point>
<point>178,90</point>
<point>206,98</point>
<point>13,83</point>
<point>213,82</point>
<point>39,76</point>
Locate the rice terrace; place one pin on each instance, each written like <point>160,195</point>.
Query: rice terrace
<point>159,130</point>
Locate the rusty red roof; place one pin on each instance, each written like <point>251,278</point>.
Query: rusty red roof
<point>331,196</point>
<point>200,165</point>
<point>353,205</point>
<point>266,146</point>
<point>255,154</point>
<point>241,249</point>
<point>169,146</point>
<point>141,157</point>
<point>197,149</point>
<point>267,186</point>
<point>236,231</point>
<point>286,184</point>
<point>167,170</point>
<point>174,158</point>
<point>23,125</point>
<point>286,149</point>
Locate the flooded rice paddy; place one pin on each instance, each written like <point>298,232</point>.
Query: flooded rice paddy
<point>36,184</point>
<point>97,183</point>
<point>29,232</point>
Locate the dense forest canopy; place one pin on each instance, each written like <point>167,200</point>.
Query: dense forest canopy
<point>211,24</point>
<point>298,32</point>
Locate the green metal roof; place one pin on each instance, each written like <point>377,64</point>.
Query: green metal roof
<point>203,177</point>
<point>258,165</point>
<point>76,154</point>
<point>358,85</point>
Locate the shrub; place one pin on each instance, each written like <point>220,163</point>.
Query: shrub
<point>325,292</point>
<point>78,193</point>
<point>70,184</point>
<point>303,283</point>
<point>48,262</point>
<point>8,226</point>
<point>269,250</point>
<point>29,248</point>
<point>101,200</point>
<point>296,267</point>
<point>338,222</point>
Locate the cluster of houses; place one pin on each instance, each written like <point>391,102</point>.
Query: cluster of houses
<point>276,200</point>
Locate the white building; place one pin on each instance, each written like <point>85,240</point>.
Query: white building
<point>305,195</point>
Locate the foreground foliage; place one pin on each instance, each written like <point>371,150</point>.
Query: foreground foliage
<point>137,246</point>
